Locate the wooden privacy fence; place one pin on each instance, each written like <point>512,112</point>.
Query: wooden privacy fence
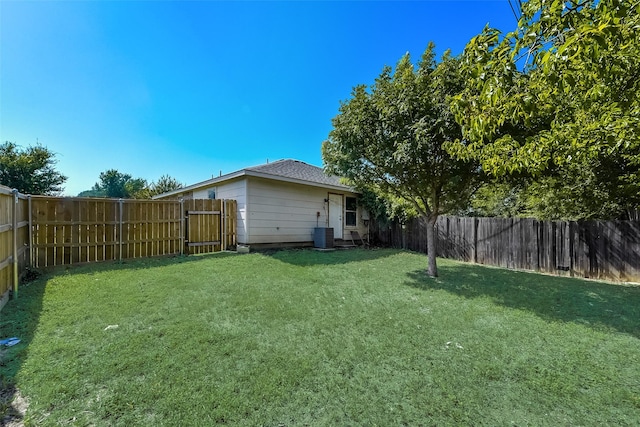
<point>73,230</point>
<point>14,238</point>
<point>595,249</point>
<point>210,225</point>
<point>49,231</point>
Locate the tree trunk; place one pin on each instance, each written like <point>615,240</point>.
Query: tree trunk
<point>432,270</point>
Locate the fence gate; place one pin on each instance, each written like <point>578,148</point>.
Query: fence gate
<point>209,225</point>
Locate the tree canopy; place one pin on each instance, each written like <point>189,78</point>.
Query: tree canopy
<point>164,184</point>
<point>558,100</point>
<point>30,170</point>
<point>389,137</point>
<point>120,185</point>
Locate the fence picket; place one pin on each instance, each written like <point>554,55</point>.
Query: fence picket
<point>595,249</point>
<point>72,230</point>
<point>67,231</point>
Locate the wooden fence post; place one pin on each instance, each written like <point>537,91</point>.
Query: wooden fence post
<point>30,232</point>
<point>182,226</point>
<point>475,240</point>
<point>572,231</point>
<point>121,203</point>
<point>223,225</point>
<point>15,243</point>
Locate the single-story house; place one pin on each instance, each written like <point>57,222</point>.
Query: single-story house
<point>282,202</point>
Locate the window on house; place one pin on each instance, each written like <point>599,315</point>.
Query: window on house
<point>211,194</point>
<point>350,211</point>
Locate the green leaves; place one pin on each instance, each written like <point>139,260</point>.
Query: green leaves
<point>389,136</point>
<point>389,139</point>
<point>555,102</point>
<point>118,185</point>
<point>30,170</point>
<point>564,85</point>
<point>164,184</point>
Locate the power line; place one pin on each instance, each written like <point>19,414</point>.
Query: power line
<point>518,5</point>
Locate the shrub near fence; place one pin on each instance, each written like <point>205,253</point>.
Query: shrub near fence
<point>594,249</point>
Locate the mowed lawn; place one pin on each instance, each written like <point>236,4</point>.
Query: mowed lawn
<point>300,337</point>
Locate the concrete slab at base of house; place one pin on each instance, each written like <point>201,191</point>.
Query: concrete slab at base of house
<point>256,247</point>
<point>336,247</point>
<point>339,244</point>
<point>344,246</point>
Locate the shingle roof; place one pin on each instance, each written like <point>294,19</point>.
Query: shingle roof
<point>282,170</point>
<point>296,169</point>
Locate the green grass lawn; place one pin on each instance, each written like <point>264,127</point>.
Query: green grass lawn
<point>297,338</point>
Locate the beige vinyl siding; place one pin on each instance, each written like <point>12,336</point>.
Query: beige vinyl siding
<point>282,212</point>
<point>202,193</point>
<point>235,190</point>
<point>274,211</point>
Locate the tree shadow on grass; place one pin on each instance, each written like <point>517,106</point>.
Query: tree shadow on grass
<point>595,304</point>
<point>19,318</point>
<point>308,256</point>
<point>138,263</point>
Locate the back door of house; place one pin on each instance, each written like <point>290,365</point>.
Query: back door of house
<point>335,214</point>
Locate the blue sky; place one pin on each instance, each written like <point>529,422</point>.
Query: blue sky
<point>193,88</point>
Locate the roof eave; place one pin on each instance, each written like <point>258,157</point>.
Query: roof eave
<point>248,172</point>
<point>300,181</point>
<point>202,184</point>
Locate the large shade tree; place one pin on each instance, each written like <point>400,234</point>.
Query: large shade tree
<point>30,170</point>
<point>557,101</point>
<point>388,138</point>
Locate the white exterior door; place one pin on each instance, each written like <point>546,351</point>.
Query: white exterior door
<point>335,215</point>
